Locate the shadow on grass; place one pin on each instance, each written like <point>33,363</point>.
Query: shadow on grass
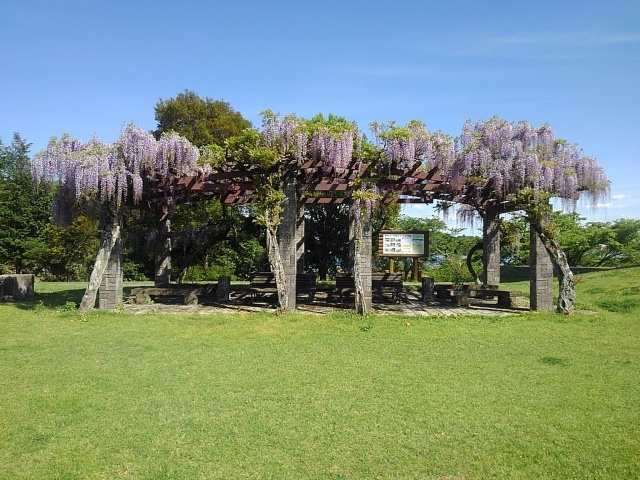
<point>52,299</point>
<point>511,274</point>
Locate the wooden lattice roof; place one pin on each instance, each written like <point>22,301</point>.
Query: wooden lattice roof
<point>316,187</point>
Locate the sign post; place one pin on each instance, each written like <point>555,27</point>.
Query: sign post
<point>404,243</point>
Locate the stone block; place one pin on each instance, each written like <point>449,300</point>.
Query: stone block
<point>18,287</point>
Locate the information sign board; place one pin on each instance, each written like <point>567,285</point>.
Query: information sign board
<point>399,243</point>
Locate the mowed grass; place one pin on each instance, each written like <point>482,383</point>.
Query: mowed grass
<point>112,395</point>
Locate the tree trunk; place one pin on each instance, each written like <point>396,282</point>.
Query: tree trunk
<point>110,234</point>
<point>360,303</point>
<point>567,288</point>
<point>358,253</point>
<point>472,271</point>
<point>275,260</point>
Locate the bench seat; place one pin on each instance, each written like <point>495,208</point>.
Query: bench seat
<point>381,284</point>
<point>189,294</point>
<point>460,294</point>
<point>264,283</point>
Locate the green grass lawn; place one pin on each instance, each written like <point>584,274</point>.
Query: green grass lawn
<point>112,395</point>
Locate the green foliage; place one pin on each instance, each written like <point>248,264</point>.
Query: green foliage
<point>70,250</point>
<point>211,239</point>
<point>333,123</point>
<point>327,238</point>
<point>514,240</point>
<point>138,233</point>
<point>590,244</point>
<point>615,243</point>
<point>133,271</point>
<point>202,121</point>
<point>207,234</point>
<point>24,210</point>
<point>451,268</point>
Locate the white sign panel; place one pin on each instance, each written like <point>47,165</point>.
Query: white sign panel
<point>409,244</point>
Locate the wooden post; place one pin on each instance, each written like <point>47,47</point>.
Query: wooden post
<point>223,289</point>
<point>428,289</point>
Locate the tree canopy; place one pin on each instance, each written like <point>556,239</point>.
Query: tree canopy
<point>202,121</point>
<point>207,124</point>
<point>24,211</point>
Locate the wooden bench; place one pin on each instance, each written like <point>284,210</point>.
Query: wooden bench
<point>264,283</point>
<point>189,293</point>
<point>344,286</point>
<point>460,294</point>
<point>506,297</point>
<point>381,283</point>
<point>307,283</point>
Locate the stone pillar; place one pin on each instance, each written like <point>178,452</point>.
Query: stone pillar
<point>360,252</point>
<point>163,251</point>
<point>541,268</point>
<point>428,289</point>
<point>224,289</point>
<point>110,291</point>
<point>18,286</point>
<point>288,241</point>
<point>491,247</point>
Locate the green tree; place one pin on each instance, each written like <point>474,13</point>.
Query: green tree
<point>70,250</point>
<point>590,244</point>
<point>205,234</point>
<point>202,121</point>
<point>514,240</point>
<point>575,238</point>
<point>326,238</point>
<point>215,239</point>
<point>618,243</point>
<point>24,210</point>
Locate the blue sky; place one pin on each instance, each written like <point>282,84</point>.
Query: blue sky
<point>85,67</point>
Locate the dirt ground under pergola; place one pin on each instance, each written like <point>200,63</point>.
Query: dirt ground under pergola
<point>411,304</point>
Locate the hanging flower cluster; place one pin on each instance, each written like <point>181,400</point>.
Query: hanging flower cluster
<point>367,195</point>
<point>334,147</point>
<point>102,170</point>
<point>404,146</point>
<point>283,134</point>
<point>333,141</point>
<point>516,157</point>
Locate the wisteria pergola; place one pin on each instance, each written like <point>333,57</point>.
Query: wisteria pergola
<point>492,168</point>
<point>310,186</point>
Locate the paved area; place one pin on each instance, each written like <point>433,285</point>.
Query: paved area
<point>324,303</point>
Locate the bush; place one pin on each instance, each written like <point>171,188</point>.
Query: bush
<point>198,273</point>
<point>133,271</point>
